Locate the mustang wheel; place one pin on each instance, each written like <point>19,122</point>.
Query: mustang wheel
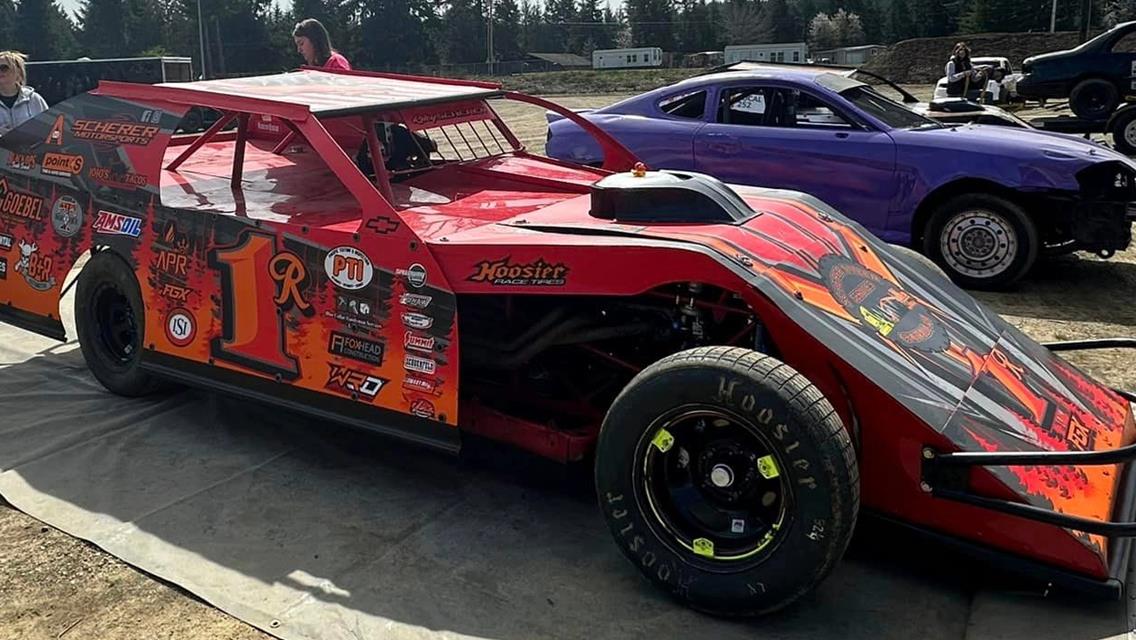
<point>982,241</point>
<point>728,480</point>
<point>1094,98</point>
<point>110,322</point>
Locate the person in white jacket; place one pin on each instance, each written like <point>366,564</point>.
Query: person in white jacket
<point>18,102</point>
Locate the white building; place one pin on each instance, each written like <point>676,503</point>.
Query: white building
<point>776,52</point>
<point>627,58</point>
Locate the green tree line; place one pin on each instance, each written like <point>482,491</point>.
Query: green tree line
<point>248,36</point>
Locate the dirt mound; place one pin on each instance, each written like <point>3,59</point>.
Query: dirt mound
<point>921,60</point>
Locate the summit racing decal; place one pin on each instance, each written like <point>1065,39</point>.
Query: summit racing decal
<point>504,272</point>
<point>61,165</point>
<point>894,314</point>
<point>14,204</point>
<point>420,343</point>
<point>354,383</point>
<point>356,348</point>
<point>35,268</point>
<point>112,223</point>
<point>116,132</point>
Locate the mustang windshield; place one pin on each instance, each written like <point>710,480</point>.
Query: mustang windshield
<point>890,112</point>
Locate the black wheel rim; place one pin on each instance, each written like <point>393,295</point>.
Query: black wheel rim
<point>114,321</point>
<point>713,485</point>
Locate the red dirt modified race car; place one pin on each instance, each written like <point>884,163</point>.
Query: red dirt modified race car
<point>746,369</point>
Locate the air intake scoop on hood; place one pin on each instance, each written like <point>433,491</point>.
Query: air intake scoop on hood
<point>667,196</point>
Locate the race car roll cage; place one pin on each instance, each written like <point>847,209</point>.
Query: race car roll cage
<point>616,156</point>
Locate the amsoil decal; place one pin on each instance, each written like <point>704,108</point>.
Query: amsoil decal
<point>422,408</point>
<point>348,267</point>
<point>180,328</point>
<point>418,364</point>
<point>14,204</point>
<point>66,216</point>
<point>417,321</point>
<point>103,175</point>
<point>35,268</point>
<point>356,348</point>
<point>415,275</point>
<point>504,272</point>
<point>417,342</point>
<point>117,132</point>
<point>415,300</point>
<point>428,117</point>
<point>119,224</point>
<point>22,161</point>
<point>5,242</point>
<point>61,165</point>
<point>354,383</point>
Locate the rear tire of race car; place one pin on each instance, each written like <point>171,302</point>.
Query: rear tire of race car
<point>110,322</point>
<point>1094,98</point>
<point>1123,130</point>
<point>982,241</point>
<point>728,480</point>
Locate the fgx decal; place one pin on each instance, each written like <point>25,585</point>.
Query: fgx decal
<point>61,165</point>
<point>14,204</point>
<point>354,383</point>
<point>35,268</point>
<point>505,272</point>
<point>22,161</point>
<point>116,132</point>
<point>180,328</point>
<point>111,223</point>
<point>348,267</point>
<point>356,348</point>
<point>67,216</point>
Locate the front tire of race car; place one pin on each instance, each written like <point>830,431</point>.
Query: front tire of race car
<point>728,480</point>
<point>109,319</point>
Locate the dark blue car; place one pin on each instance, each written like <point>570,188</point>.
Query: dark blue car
<point>982,201</point>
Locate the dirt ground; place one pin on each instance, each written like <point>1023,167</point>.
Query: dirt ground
<point>54,586</point>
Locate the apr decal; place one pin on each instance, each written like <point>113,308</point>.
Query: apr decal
<point>504,272</point>
<point>35,268</point>
<point>66,216</point>
<point>349,268</point>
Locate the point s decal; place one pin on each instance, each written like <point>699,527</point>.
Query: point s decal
<point>348,267</point>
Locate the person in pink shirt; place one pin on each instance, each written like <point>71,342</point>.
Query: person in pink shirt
<point>313,43</point>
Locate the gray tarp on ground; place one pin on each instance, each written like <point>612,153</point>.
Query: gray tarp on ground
<point>308,530</point>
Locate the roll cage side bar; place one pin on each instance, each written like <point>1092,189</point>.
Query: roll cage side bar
<point>944,473</point>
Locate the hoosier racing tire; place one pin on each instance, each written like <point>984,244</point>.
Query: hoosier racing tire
<point>728,480</point>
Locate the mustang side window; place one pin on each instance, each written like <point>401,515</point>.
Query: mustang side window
<point>691,104</point>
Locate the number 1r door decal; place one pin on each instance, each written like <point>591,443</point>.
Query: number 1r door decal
<point>258,286</point>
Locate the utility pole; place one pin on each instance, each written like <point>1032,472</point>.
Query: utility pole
<point>1053,18</point>
<point>1086,10</point>
<point>489,38</point>
<point>201,38</point>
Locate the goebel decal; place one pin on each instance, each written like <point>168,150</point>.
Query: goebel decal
<point>19,205</point>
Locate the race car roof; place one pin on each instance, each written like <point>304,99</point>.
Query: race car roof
<point>333,93</point>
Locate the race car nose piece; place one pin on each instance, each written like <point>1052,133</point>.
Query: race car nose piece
<point>722,476</point>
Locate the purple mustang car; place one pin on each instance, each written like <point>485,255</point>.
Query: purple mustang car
<point>984,202</point>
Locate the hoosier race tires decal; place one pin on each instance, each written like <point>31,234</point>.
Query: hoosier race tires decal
<point>728,480</point>
<point>109,318</point>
